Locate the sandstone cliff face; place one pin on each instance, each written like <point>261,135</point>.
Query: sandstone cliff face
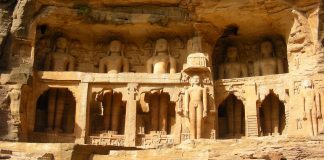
<point>53,89</point>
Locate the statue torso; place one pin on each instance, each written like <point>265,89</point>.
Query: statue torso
<point>232,70</point>
<point>60,61</point>
<point>196,94</point>
<point>309,96</point>
<point>114,64</point>
<point>268,66</point>
<point>160,64</point>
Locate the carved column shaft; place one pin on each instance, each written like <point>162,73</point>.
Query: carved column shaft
<point>130,119</point>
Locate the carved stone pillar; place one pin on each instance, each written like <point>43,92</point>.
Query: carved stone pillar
<point>130,120</point>
<point>81,114</point>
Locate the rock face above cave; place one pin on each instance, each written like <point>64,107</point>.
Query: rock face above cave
<point>184,79</point>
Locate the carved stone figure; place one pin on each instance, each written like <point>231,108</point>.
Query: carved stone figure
<point>60,59</point>
<point>312,111</point>
<point>111,103</point>
<point>161,62</point>
<point>159,106</point>
<point>196,106</point>
<point>269,64</point>
<point>232,68</point>
<point>42,49</point>
<point>14,97</point>
<point>115,61</point>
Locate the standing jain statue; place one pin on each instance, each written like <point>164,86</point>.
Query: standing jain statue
<point>59,60</point>
<point>161,62</point>
<point>232,68</point>
<point>268,64</point>
<point>196,106</point>
<point>312,111</point>
<point>115,61</point>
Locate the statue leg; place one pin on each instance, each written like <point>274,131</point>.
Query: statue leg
<point>154,108</point>
<point>51,108</point>
<point>314,120</point>
<point>230,115</point>
<point>199,121</point>
<point>275,116</point>
<point>192,119</point>
<point>164,105</point>
<point>266,117</point>
<point>106,110</point>
<point>116,106</point>
<point>309,118</point>
<point>238,118</point>
<point>61,94</point>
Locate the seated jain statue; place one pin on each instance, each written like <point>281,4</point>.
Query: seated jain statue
<point>196,107</point>
<point>161,62</point>
<point>232,68</point>
<point>115,61</point>
<point>60,59</point>
<point>269,64</point>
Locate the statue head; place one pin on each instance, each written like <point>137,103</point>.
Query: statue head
<point>61,43</point>
<point>266,49</point>
<point>231,54</point>
<point>115,46</point>
<point>307,83</point>
<point>161,45</point>
<point>194,80</point>
<point>43,42</point>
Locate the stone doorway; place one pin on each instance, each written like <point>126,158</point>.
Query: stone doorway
<point>272,116</point>
<point>231,121</point>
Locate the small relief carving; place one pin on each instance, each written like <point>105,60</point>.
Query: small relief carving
<point>297,85</point>
<point>134,55</point>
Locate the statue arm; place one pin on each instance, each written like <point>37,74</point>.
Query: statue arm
<point>304,108</point>
<point>173,65</point>
<point>47,65</point>
<point>125,65</point>
<point>186,102</point>
<point>149,66</point>
<point>256,67</point>
<point>280,66</point>
<point>71,63</point>
<point>318,105</point>
<point>221,73</point>
<point>102,66</point>
<point>205,102</point>
<point>244,70</point>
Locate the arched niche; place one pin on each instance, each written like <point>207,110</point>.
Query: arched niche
<point>231,118</point>
<point>272,116</point>
<point>53,106</point>
<point>107,112</point>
